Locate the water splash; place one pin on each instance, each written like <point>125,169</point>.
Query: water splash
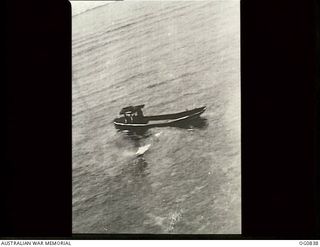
<point>143,149</point>
<point>158,134</point>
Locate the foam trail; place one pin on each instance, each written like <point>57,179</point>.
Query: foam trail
<point>128,153</point>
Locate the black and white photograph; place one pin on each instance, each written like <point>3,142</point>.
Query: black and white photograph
<point>156,117</point>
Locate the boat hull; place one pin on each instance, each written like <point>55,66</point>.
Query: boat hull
<point>161,120</point>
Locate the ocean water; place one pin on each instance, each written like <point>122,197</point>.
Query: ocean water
<point>170,56</point>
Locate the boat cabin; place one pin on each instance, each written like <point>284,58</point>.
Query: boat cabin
<point>132,114</point>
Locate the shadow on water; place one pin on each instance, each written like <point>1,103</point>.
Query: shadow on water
<point>136,136</point>
<point>197,123</point>
<point>139,167</point>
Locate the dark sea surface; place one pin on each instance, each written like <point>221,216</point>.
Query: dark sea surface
<point>169,56</point>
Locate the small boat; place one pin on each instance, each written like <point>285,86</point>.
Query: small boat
<point>133,118</point>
